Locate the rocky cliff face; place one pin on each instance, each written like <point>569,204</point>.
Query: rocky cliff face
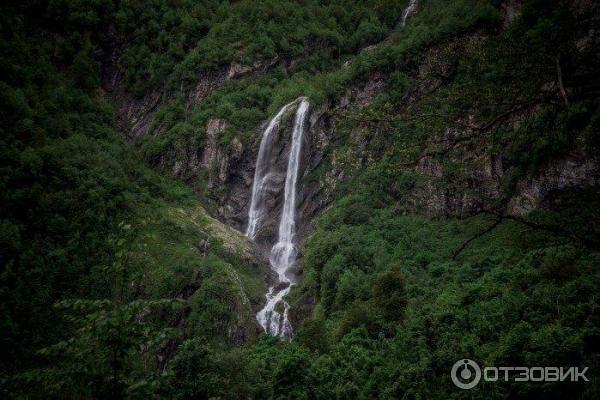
<point>438,192</point>
<point>228,167</point>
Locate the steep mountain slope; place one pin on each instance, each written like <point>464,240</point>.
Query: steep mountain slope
<point>485,114</point>
<point>448,196</point>
<point>441,92</point>
<point>84,222</point>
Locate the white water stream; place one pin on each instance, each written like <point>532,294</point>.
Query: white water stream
<point>408,11</point>
<point>283,253</point>
<point>261,173</point>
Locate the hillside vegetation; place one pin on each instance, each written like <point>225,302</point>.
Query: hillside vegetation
<point>116,282</point>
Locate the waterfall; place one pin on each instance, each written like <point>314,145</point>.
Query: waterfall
<point>261,174</point>
<point>412,5</point>
<point>283,253</point>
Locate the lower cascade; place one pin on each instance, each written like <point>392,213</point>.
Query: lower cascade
<point>283,253</point>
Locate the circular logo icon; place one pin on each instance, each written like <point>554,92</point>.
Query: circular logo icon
<point>466,374</point>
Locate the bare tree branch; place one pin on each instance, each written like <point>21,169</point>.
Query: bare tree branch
<point>499,218</point>
<point>490,228</point>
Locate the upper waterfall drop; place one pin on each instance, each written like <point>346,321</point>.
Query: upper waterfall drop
<point>261,173</point>
<point>287,225</point>
<point>283,254</point>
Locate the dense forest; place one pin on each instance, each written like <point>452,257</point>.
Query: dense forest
<point>449,198</point>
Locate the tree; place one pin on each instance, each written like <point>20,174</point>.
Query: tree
<point>110,351</point>
<point>389,295</point>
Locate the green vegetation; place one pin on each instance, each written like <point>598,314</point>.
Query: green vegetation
<point>179,42</point>
<point>246,103</point>
<point>116,283</point>
<point>514,297</point>
<point>69,185</point>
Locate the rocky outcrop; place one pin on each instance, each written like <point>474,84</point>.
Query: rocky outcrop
<point>238,70</point>
<point>226,165</point>
<point>217,159</point>
<point>136,114</point>
<point>206,84</point>
<point>571,172</point>
<point>481,188</point>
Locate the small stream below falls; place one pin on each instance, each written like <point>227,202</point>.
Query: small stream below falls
<point>274,317</point>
